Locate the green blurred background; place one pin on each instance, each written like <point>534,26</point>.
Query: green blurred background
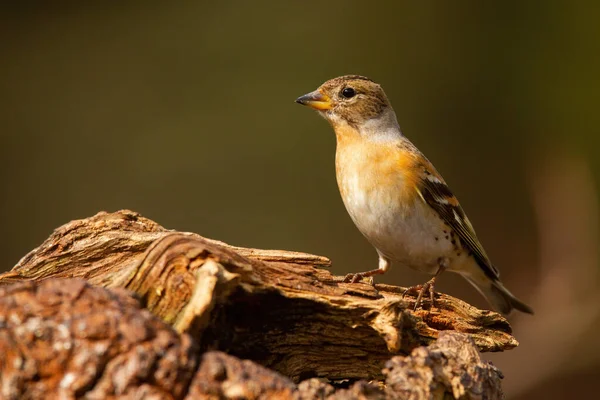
<point>184,112</point>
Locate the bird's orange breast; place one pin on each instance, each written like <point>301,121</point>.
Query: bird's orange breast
<point>381,171</point>
<point>378,179</point>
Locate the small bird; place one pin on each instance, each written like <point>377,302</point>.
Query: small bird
<point>396,197</point>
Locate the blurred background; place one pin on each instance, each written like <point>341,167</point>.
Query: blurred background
<point>184,111</point>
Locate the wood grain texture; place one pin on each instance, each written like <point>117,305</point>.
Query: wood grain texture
<point>278,308</point>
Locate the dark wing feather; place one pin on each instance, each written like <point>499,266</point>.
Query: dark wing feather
<point>437,195</point>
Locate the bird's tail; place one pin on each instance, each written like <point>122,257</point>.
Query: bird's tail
<point>499,297</point>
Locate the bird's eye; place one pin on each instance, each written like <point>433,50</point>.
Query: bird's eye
<point>348,92</point>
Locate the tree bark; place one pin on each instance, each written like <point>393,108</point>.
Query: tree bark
<point>280,309</point>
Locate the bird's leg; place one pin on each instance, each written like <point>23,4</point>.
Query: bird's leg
<point>384,265</point>
<point>429,285</point>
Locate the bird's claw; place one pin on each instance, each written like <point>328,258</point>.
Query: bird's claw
<point>353,278</point>
<point>421,290</point>
<point>357,277</point>
<point>416,289</point>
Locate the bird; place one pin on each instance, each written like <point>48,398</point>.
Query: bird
<point>396,197</point>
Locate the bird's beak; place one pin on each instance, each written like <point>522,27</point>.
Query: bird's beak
<point>316,100</point>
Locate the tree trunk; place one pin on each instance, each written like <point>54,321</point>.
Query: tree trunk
<point>279,309</point>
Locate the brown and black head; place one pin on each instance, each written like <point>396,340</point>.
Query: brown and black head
<point>352,99</point>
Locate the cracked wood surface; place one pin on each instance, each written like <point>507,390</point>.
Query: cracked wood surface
<point>279,308</point>
<point>63,338</point>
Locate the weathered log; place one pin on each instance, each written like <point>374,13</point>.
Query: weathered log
<point>280,309</point>
<point>64,338</point>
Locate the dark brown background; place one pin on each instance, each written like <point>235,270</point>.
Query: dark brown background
<point>184,112</point>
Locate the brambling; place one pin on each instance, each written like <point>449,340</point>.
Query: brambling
<point>395,196</point>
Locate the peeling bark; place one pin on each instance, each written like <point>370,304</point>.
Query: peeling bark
<point>280,309</point>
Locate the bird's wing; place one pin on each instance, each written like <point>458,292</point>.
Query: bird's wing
<point>433,191</point>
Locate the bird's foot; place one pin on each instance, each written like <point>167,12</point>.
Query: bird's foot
<point>357,277</point>
<point>421,290</point>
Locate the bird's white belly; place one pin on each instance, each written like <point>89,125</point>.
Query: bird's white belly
<point>407,232</point>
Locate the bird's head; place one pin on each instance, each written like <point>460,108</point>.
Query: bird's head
<point>350,100</point>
